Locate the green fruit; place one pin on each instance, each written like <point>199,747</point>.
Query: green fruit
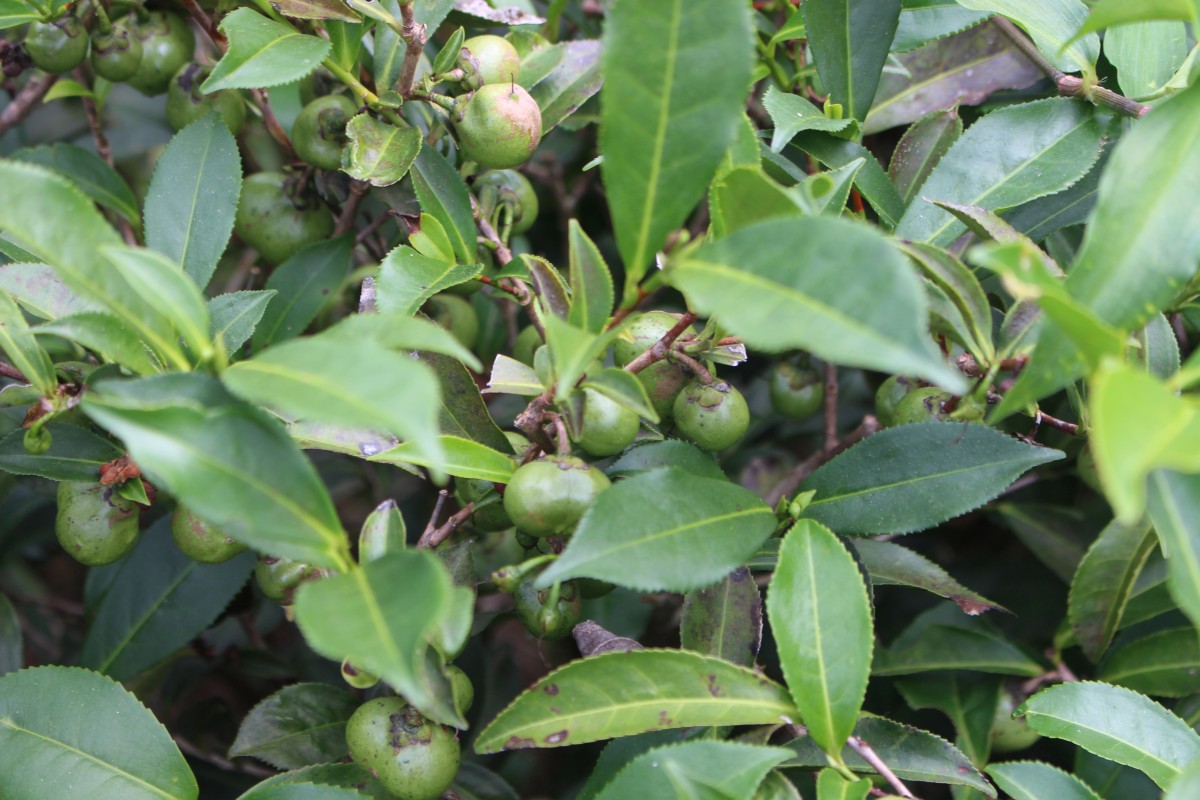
<point>186,104</point>
<point>507,187</point>
<point>528,341</point>
<point>58,46</point>
<point>358,677</point>
<point>319,133</point>
<point>95,525</point>
<point>273,223</point>
<point>490,59</point>
<point>455,315</point>
<point>922,405</point>
<point>201,542</point>
<point>461,689</point>
<point>548,496</point>
<point>714,416</point>
<point>664,380</point>
<point>889,395</point>
<point>278,578</point>
<point>796,391</point>
<point>167,44</point>
<point>1010,735</point>
<point>116,55</point>
<point>414,758</point>
<point>500,126</point>
<point>607,427</point>
<point>489,511</point>
<point>545,620</point>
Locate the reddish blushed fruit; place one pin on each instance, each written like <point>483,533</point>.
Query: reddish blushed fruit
<point>500,126</point>
<point>490,59</point>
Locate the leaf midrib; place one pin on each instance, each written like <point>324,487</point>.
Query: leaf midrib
<point>933,476</point>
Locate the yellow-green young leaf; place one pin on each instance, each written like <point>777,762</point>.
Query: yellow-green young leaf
<point>17,12</point>
<point>383,532</point>
<point>1146,55</point>
<point>164,285</point>
<point>47,750</point>
<point>407,279</point>
<point>821,620</point>
<point>384,617</point>
<point>379,153</point>
<point>263,53</point>
<point>632,537</point>
<point>832,786</point>
<point>591,282</point>
<point>1175,512</point>
<point>621,694</point>
<point>781,284</point>
<point>1163,664</point>
<point>19,343</point>
<point>1116,724</point>
<point>742,196</point>
<point>695,769</point>
<point>573,351</point>
<point>1032,780</point>
<point>623,387</point>
<point>510,376</point>
<point>463,458</point>
<point>1138,425</point>
<point>850,41</point>
<point>1051,24</point>
<point>791,114</point>
<point>1104,582</point>
<point>675,78</point>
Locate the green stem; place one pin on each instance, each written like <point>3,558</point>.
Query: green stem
<point>365,96</point>
<point>103,23</point>
<point>375,12</point>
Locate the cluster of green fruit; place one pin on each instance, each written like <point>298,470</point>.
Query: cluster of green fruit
<point>499,124</point>
<point>903,401</point>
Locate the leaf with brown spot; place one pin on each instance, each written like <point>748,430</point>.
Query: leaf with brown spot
<point>725,620</point>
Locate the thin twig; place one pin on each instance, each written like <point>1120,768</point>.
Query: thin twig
<point>25,101</point>
<point>793,479</point>
<point>432,538</point>
<point>271,121</point>
<point>431,526</point>
<point>658,350</point>
<point>831,406</point>
<point>96,125</point>
<point>206,24</point>
<point>358,190</point>
<point>9,371</point>
<point>692,365</point>
<point>216,760</point>
<point>871,757</point>
<point>414,36</point>
<point>1066,427</point>
<point>503,253</point>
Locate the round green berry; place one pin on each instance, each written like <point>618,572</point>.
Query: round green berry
<point>95,524</point>
<point>490,59</point>
<point>607,427</point>
<point>413,757</point>
<point>548,497</point>
<point>201,542</point>
<point>500,126</point>
<point>797,392</point>
<point>714,416</point>
<point>57,47</point>
<point>319,133</point>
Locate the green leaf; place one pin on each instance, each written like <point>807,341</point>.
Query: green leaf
<point>108,337</point>
<point>463,458</point>
<point>304,283</point>
<point>832,786</point>
<point>12,650</point>
<point>913,477</point>
<point>964,644</point>
<point>193,197</point>
<point>315,9</point>
<point>574,78</point>
<point>913,754</point>
<point>41,292</point>
<point>384,617</point>
<point>1114,13</point>
<point>368,386</point>
<point>509,376</point>
<point>821,618</point>
<point>630,537</point>
<point>742,196</point>
<point>1104,582</point>
<point>1116,724</point>
<point>463,411</point>
<point>961,288</point>
<point>923,21</point>
<point>620,694</point>
<point>780,285</point>
<point>1186,785</point>
<point>401,333</point>
<point>346,776</point>
<point>724,620</point>
<point>263,53</point>
<point>1052,534</point>
<point>591,282</point>
<point>969,701</point>
<point>379,153</point>
<point>163,285</point>
<point>1164,664</point>
<point>300,725</point>
<point>443,195</point>
<point>1175,512</point>
<point>675,84</point>
<point>921,148</point>
<point>668,453</point>
<point>159,601</point>
<point>1031,780</point>
<point>1146,55</point>
<point>17,12</point>
<point>850,41</point>
<point>695,769</point>
<point>89,172</point>
<point>623,387</point>
<point>303,791</point>
<point>871,180</point>
<point>47,750</point>
<point>75,454</point>
<point>889,564</point>
<point>407,279</point>
<point>231,463</point>
<point>234,316</point>
<point>791,114</point>
<point>22,347</point>
<point>1013,155</point>
<point>1050,23</point>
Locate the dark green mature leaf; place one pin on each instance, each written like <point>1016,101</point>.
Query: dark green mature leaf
<point>889,564</point>
<point>443,195</point>
<point>159,601</point>
<point>620,694</point>
<point>300,725</point>
<point>923,21</point>
<point>850,41</point>
<point>89,172</point>
<point>12,649</point>
<point>961,287</point>
<point>1039,218</point>
<point>46,752</point>
<point>193,197</point>
<point>921,148</point>
<point>106,336</point>
<point>1175,512</point>
<point>780,284</point>
<point>574,78</point>
<point>968,700</point>
<point>348,776</point>
<point>1051,24</point>
<point>724,620</point>
<point>234,316</point>
<point>821,618</point>
<point>871,180</point>
<point>1164,664</point>
<point>463,411</point>
<point>1104,582</point>
<point>162,284</point>
<point>232,463</point>
<point>675,84</point>
<point>384,616</point>
<point>407,279</point>
<point>913,754</point>
<point>667,453</point>
<point>1117,724</point>
<point>41,292</point>
<point>263,53</point>
<point>1052,533</point>
<point>379,153</point>
<point>619,752</point>
<point>1032,780</point>
<point>304,791</point>
<point>976,648</point>
<point>75,454</point>
<point>23,349</point>
<point>791,113</point>
<point>591,282</point>
<point>1009,157</point>
<point>913,477</point>
<point>630,537</point>
<point>695,769</point>
<point>304,283</point>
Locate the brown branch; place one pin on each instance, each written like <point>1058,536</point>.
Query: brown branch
<point>271,121</point>
<point>206,24</point>
<point>692,365</point>
<point>831,406</point>
<point>414,35</point>
<point>223,763</point>
<point>793,479</point>
<point>9,371</point>
<point>25,101</point>
<point>1062,425</point>
<point>871,757</point>
<point>431,526</point>
<point>431,539</point>
<point>503,253</point>
<point>96,125</point>
<point>658,350</point>
<point>358,190</point>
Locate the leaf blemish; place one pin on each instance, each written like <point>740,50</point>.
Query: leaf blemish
<point>556,738</point>
<point>713,688</point>
<point>550,689</point>
<point>518,743</point>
